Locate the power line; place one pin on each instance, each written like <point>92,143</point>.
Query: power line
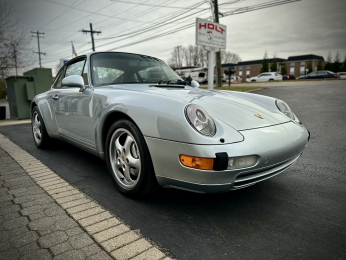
<point>98,13</point>
<point>91,13</point>
<point>138,14</point>
<point>101,27</point>
<point>120,13</point>
<point>38,43</point>
<point>186,27</point>
<point>260,6</point>
<point>158,24</point>
<point>174,7</point>
<point>61,14</point>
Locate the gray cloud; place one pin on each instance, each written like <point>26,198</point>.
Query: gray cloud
<point>308,26</point>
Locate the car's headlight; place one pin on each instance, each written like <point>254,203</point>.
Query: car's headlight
<point>285,109</point>
<point>200,120</point>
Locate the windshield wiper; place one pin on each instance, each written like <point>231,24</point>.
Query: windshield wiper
<point>169,82</point>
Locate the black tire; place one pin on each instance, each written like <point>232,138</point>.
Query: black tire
<point>253,80</point>
<point>44,141</point>
<point>271,80</point>
<point>147,182</point>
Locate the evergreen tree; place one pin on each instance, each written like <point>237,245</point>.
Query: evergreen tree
<point>319,65</point>
<point>274,65</point>
<point>265,64</point>
<point>337,64</point>
<point>328,65</point>
<point>283,69</point>
<point>344,64</point>
<point>309,67</point>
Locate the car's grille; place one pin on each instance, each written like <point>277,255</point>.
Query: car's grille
<point>246,179</point>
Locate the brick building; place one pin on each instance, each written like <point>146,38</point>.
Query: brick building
<point>295,65</point>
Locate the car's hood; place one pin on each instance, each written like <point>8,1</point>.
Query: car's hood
<point>237,111</point>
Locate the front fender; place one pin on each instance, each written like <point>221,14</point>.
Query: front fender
<point>156,116</point>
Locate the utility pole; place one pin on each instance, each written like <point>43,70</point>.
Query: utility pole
<point>38,43</point>
<point>218,54</point>
<point>92,35</point>
<point>179,46</point>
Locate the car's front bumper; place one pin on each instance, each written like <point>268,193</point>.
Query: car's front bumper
<point>277,147</point>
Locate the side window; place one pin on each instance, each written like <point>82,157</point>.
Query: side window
<point>59,77</point>
<point>75,68</point>
<point>85,74</point>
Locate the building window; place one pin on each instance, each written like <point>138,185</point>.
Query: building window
<point>240,71</point>
<point>302,68</point>
<point>247,72</point>
<point>292,69</point>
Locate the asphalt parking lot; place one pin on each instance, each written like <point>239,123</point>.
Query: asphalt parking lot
<point>299,214</point>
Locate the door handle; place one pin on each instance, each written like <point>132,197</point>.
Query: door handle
<point>55,97</point>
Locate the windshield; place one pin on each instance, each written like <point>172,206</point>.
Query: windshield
<point>117,68</point>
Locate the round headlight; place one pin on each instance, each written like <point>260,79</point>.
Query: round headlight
<point>200,120</point>
<point>284,108</point>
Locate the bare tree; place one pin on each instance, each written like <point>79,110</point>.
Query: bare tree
<point>198,56</point>
<point>184,53</point>
<point>229,57</point>
<point>14,51</point>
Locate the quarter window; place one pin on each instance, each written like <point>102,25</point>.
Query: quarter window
<point>59,77</point>
<point>75,68</point>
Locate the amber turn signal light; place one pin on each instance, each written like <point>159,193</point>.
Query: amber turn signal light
<point>197,162</point>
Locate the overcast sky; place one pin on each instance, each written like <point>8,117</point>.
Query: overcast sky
<point>304,27</point>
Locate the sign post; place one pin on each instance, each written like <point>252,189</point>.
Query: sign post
<point>213,37</point>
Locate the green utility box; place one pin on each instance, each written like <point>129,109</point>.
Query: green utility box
<point>22,89</point>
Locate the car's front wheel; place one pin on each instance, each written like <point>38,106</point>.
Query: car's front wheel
<point>39,132</point>
<point>253,80</point>
<point>129,161</point>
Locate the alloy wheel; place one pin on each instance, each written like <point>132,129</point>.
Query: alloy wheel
<point>125,158</point>
<point>37,127</point>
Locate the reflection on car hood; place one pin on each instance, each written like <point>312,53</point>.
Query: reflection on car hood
<point>234,110</point>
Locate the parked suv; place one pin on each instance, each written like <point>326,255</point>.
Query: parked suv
<point>266,76</point>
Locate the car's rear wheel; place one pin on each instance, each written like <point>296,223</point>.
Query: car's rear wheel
<point>253,80</point>
<point>39,132</point>
<point>271,80</point>
<point>129,161</point>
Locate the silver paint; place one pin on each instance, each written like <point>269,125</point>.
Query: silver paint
<point>79,118</point>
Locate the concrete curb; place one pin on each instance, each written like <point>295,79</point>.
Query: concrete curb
<point>105,230</point>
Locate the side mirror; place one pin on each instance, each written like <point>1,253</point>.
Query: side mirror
<point>194,84</point>
<point>74,81</point>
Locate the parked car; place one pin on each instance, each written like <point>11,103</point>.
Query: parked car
<point>267,76</point>
<point>288,77</point>
<point>153,130</point>
<point>342,75</point>
<point>320,74</point>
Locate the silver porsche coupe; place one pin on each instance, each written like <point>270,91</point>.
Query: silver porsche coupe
<point>154,130</point>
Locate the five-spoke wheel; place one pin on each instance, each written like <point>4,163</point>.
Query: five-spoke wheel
<point>39,132</point>
<point>36,127</point>
<point>125,158</point>
<point>128,160</point>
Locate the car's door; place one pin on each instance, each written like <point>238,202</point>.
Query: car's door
<point>74,108</point>
<point>312,75</point>
<point>48,106</point>
<point>320,75</point>
<point>259,77</point>
<point>263,77</point>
